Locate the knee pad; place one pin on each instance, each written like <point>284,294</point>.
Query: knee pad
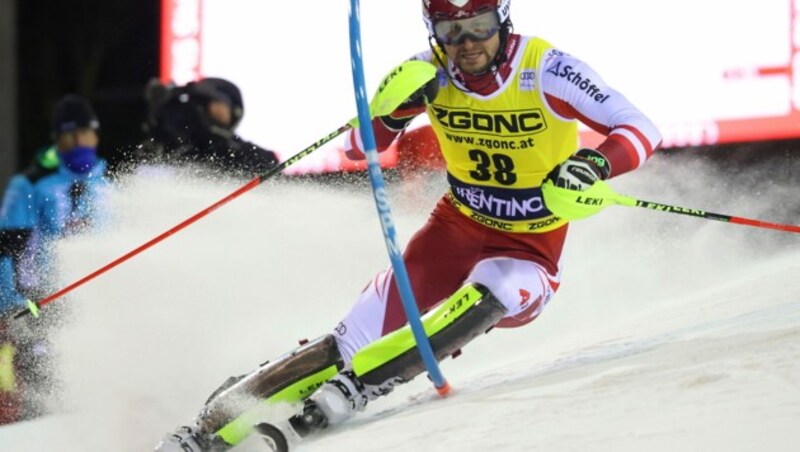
<point>232,411</point>
<point>468,313</point>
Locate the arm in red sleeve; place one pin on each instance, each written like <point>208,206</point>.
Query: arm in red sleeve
<point>386,129</point>
<point>575,91</point>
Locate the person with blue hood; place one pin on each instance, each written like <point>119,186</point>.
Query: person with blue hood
<point>47,202</point>
<point>61,194</point>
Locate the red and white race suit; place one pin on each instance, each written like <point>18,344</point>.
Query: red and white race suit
<point>500,134</point>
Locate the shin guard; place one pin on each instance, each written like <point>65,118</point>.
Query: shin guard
<point>232,411</point>
<point>394,358</point>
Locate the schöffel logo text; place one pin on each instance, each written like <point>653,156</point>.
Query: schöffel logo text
<point>577,79</point>
<point>504,123</point>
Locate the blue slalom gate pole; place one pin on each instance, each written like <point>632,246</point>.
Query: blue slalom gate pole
<point>382,204</point>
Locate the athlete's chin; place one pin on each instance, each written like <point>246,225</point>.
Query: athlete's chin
<point>473,67</point>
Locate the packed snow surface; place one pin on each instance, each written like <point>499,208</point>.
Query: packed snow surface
<point>669,332</point>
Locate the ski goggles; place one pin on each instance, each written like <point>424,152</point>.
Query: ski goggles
<point>477,28</point>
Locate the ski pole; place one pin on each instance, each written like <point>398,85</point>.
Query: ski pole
<point>394,89</point>
<point>33,308</point>
<point>382,203</point>
<point>573,205</point>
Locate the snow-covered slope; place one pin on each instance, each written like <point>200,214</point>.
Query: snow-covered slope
<point>669,333</point>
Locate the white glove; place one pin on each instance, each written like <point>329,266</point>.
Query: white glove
<point>581,170</point>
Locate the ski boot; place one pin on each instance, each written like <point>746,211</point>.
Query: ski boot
<point>333,403</point>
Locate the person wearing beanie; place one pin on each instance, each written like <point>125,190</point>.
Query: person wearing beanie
<point>62,193</point>
<point>75,131</point>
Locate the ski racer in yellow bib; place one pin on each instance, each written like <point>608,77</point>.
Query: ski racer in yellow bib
<point>500,147</point>
<point>505,109</point>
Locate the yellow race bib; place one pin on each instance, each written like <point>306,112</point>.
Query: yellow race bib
<point>499,148</point>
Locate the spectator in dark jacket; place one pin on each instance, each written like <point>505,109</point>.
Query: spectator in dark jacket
<point>195,124</point>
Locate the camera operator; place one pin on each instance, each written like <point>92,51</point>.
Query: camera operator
<point>195,124</point>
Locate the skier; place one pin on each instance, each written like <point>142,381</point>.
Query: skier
<point>505,108</point>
